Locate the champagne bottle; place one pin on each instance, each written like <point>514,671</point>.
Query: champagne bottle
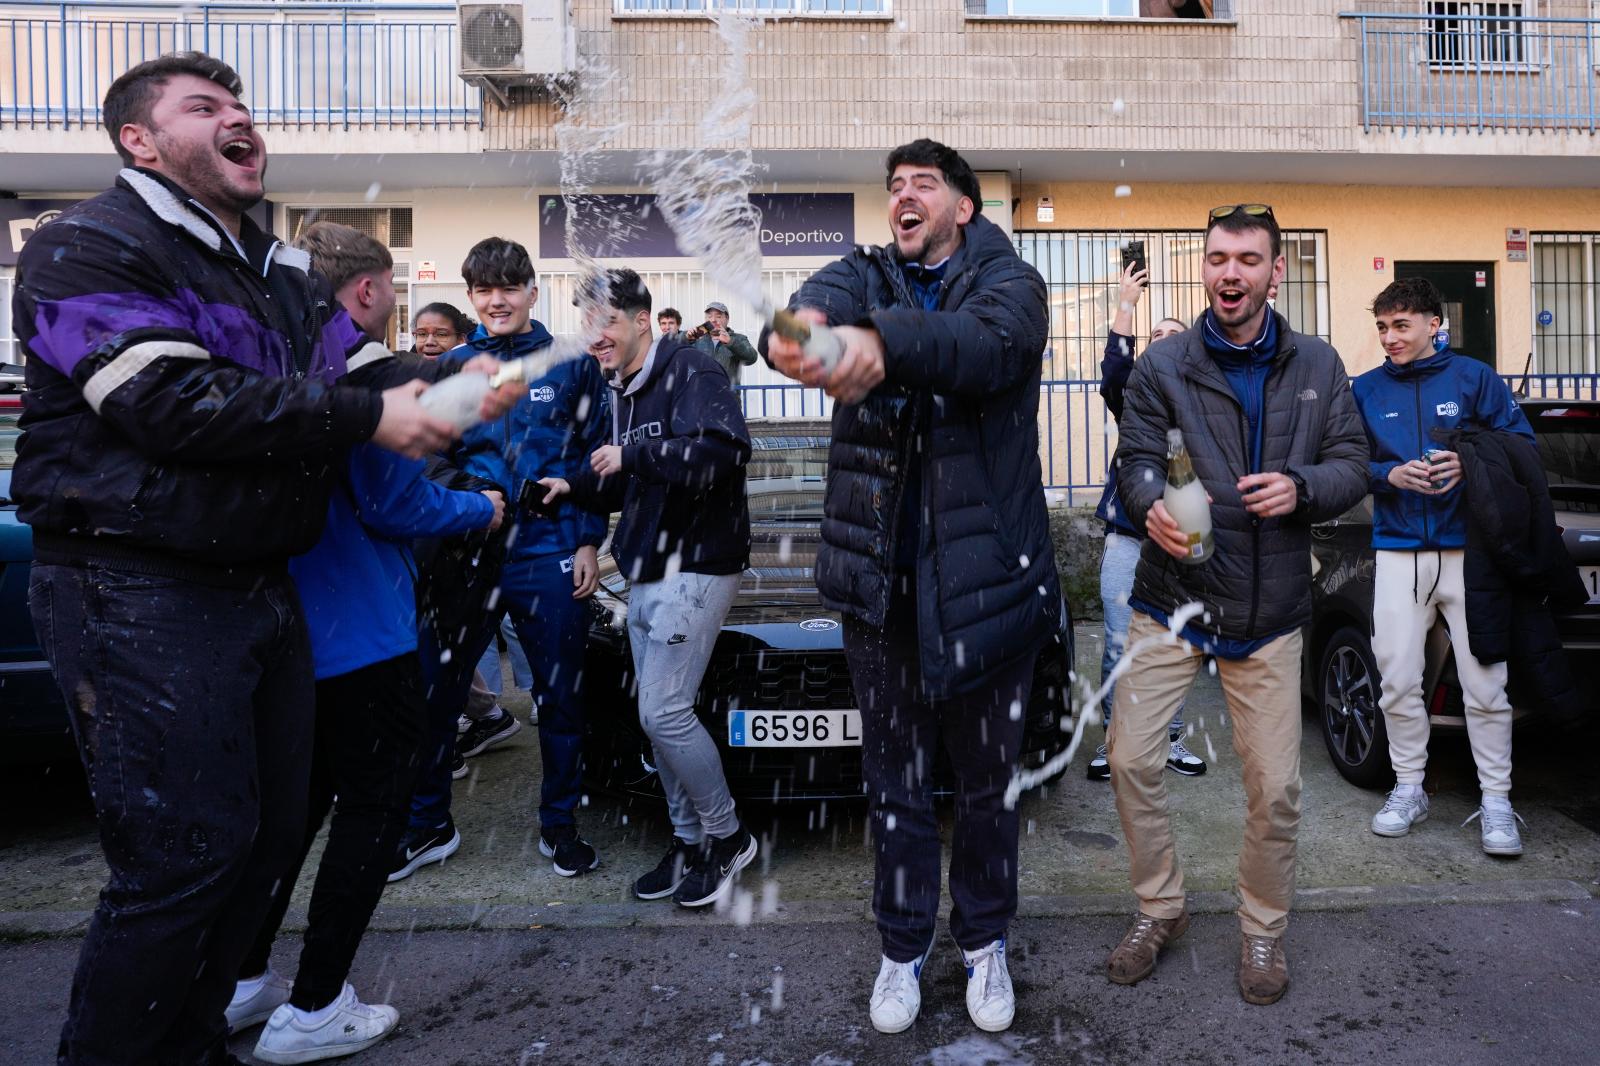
<point>1186,501</point>
<point>819,342</point>
<point>458,398</point>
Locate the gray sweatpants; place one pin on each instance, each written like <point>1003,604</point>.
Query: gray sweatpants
<point>672,626</point>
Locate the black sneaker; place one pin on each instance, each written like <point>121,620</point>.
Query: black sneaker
<point>1183,760</point>
<point>714,869</point>
<point>1100,765</point>
<point>486,732</point>
<point>418,849</point>
<point>458,766</point>
<point>669,872</point>
<point>569,853</point>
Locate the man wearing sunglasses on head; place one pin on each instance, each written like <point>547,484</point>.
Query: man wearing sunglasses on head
<point>1272,429</point>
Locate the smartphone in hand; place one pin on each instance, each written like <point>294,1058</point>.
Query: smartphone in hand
<point>1133,256</point>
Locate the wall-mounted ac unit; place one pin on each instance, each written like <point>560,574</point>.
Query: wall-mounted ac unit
<point>516,40</point>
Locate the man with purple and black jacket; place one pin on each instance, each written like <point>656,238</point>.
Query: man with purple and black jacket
<point>185,418</point>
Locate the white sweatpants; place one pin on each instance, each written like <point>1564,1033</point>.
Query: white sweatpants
<point>1411,589</point>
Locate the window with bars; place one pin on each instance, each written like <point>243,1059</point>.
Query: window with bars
<point>1082,269</point>
<point>1566,302</point>
<point>1160,9</point>
<point>1471,34</point>
<point>390,227</point>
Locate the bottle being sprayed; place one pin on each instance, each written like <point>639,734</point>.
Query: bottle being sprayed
<point>458,398</point>
<point>1185,498</point>
<point>819,342</point>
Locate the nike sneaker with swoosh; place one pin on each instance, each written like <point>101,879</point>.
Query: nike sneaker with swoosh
<point>423,847</point>
<point>713,870</point>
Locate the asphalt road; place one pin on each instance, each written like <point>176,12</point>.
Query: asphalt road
<point>1464,985</point>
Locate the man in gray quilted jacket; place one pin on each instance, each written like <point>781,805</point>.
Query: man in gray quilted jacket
<point>1272,428</point>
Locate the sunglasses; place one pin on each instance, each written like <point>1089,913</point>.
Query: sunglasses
<point>1253,210</point>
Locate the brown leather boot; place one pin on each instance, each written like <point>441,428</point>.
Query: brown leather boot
<point>1135,958</point>
<point>1263,970</point>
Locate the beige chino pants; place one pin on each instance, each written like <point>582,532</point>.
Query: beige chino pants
<point>1263,695</point>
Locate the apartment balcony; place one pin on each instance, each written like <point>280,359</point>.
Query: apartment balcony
<point>325,80</point>
<point>1447,80</point>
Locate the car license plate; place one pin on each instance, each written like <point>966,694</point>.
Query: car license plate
<point>1591,581</point>
<point>794,729</point>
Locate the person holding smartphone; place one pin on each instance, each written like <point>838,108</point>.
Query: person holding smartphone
<point>1419,533</point>
<point>1123,540</point>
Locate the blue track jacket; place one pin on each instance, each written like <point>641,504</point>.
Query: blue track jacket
<point>549,433</point>
<point>357,586</point>
<point>1400,406</point>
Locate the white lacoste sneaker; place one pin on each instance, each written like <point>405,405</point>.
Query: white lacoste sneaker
<point>990,1001</point>
<point>897,994</point>
<point>344,1027</point>
<point>1403,809</point>
<point>255,998</point>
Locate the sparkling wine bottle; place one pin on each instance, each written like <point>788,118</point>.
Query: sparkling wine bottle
<point>1186,501</point>
<point>819,342</point>
<point>458,398</point>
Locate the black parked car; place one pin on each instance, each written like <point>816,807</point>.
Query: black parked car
<point>1341,677</point>
<point>33,717</point>
<point>776,697</point>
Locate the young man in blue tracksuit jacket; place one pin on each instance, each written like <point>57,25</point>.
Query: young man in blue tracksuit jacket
<point>675,468</point>
<point>1123,541</point>
<point>1419,533</point>
<point>548,568</point>
<point>356,590</point>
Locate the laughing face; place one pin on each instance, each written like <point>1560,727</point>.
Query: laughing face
<point>926,214</point>
<point>621,340</point>
<point>1238,271</point>
<point>504,310</point>
<point>201,136</point>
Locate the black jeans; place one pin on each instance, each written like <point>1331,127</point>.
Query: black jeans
<point>191,707</point>
<point>368,747</point>
<point>902,731</point>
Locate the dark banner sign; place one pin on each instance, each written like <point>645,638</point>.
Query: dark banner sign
<point>18,220</point>
<point>628,226</point>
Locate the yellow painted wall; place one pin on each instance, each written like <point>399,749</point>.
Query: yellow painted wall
<point>1362,223</point>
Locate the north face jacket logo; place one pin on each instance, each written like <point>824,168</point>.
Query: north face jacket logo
<point>1307,395</point>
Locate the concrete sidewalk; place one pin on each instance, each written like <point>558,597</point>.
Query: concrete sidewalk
<point>815,865</point>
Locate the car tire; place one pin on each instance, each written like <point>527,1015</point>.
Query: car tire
<point>1348,709</point>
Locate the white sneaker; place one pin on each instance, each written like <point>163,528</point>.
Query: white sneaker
<point>255,999</point>
<point>346,1026</point>
<point>1400,812</point>
<point>1499,829</point>
<point>897,994</point>
<point>990,1000</point>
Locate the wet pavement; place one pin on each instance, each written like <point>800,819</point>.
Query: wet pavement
<point>504,920</point>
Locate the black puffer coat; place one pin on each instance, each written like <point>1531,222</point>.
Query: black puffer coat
<point>1259,581</point>
<point>970,372</point>
<point>1516,568</point>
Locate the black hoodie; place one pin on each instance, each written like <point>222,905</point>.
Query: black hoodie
<point>681,490</point>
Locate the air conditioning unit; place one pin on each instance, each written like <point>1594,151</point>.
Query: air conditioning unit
<point>513,41</point>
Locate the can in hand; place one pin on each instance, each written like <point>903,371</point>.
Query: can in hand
<point>1428,455</point>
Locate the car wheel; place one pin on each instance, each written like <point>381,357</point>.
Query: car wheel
<point>1352,720</point>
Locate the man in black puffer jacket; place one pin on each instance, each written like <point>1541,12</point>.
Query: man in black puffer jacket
<point>1268,419</point>
<point>936,548</point>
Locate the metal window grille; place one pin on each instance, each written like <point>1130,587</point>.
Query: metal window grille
<point>389,226</point>
<point>1082,268</point>
<point>753,7</point>
<point>1463,34</point>
<point>1566,302</point>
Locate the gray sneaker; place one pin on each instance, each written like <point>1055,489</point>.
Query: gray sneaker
<point>1400,812</point>
<point>1498,826</point>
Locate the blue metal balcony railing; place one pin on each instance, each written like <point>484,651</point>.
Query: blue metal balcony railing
<point>1076,432</point>
<point>314,65</point>
<point>1440,71</point>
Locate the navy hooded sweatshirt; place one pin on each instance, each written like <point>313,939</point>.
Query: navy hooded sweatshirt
<point>684,448</point>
